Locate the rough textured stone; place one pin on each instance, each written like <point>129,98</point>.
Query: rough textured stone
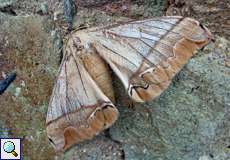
<point>100,148</point>
<point>213,13</point>
<point>5,3</point>
<point>26,46</point>
<point>154,7</point>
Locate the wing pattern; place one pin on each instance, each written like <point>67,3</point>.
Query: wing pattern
<point>147,54</point>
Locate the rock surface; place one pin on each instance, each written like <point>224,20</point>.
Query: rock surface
<point>26,46</point>
<point>190,120</point>
<point>5,3</point>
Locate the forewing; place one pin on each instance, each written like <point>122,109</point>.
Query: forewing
<point>78,109</point>
<point>147,54</point>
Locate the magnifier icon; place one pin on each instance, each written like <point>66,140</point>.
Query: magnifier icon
<point>9,147</point>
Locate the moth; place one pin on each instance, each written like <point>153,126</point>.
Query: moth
<point>144,54</point>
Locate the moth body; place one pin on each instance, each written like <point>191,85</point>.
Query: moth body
<point>144,54</point>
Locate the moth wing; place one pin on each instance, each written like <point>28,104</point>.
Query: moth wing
<point>78,109</point>
<point>147,54</point>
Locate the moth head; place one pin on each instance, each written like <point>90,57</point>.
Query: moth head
<point>76,43</point>
<point>82,47</point>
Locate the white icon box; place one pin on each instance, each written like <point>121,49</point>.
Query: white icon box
<point>10,149</point>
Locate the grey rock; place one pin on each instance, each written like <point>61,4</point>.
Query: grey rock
<point>4,132</point>
<point>57,41</point>
<point>90,3</point>
<point>25,7</point>
<point>154,7</point>
<point>44,8</point>
<point>5,3</point>
<point>27,46</point>
<point>70,10</point>
<point>100,148</point>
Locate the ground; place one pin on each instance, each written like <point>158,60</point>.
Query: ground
<point>189,121</point>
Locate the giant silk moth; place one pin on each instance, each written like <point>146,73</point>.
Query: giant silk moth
<point>144,54</point>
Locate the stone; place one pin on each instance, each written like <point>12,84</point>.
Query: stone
<point>154,8</point>
<point>30,52</point>
<point>101,147</point>
<point>44,8</point>
<point>6,3</point>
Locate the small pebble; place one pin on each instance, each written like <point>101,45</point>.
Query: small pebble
<point>17,91</point>
<point>204,158</point>
<point>44,8</point>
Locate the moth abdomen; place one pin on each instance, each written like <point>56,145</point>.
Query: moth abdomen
<point>99,71</point>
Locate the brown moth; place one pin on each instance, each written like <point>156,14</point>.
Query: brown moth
<point>144,54</point>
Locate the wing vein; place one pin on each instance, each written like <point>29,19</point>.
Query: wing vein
<point>80,75</point>
<point>118,35</point>
<point>119,55</point>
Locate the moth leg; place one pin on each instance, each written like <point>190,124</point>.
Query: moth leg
<point>129,103</point>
